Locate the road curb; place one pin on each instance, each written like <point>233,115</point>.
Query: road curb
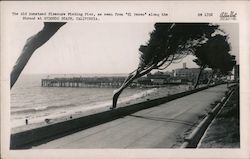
<point>192,140</point>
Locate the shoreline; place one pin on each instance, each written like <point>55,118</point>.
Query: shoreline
<point>146,95</point>
<point>27,139</point>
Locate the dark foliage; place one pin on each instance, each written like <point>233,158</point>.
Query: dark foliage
<point>168,43</point>
<point>215,54</point>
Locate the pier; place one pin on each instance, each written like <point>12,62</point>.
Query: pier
<point>85,82</point>
<point>103,82</point>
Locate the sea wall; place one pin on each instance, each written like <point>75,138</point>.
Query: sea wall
<point>26,139</point>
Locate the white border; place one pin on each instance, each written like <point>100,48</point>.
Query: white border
<point>182,11</point>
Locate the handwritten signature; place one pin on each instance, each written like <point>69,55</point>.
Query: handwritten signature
<point>228,15</point>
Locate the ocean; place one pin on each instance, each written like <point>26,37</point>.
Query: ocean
<point>31,101</point>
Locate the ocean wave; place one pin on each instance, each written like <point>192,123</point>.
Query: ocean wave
<point>38,114</point>
<point>75,106</point>
<point>40,109</point>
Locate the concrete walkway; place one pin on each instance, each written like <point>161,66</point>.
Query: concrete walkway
<point>159,127</point>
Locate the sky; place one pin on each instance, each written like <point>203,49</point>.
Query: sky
<point>102,48</point>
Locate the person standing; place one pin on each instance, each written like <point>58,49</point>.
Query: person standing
<point>26,121</point>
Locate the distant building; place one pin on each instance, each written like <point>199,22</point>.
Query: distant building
<point>190,74</point>
<point>143,81</point>
<point>177,76</point>
<point>187,74</point>
<point>237,72</point>
<point>158,77</point>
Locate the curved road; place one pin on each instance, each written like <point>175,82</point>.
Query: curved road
<point>159,127</point>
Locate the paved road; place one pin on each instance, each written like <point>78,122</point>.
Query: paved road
<point>158,127</point>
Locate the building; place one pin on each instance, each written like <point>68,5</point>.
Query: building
<point>187,75</point>
<point>159,77</point>
<point>237,73</point>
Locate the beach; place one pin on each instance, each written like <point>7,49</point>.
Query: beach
<point>61,104</point>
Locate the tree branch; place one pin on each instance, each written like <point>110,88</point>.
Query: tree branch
<point>33,43</point>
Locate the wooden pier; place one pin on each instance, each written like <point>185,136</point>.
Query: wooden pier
<point>102,82</point>
<point>84,82</point>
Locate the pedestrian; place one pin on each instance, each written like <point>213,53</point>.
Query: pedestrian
<point>47,120</point>
<point>26,121</point>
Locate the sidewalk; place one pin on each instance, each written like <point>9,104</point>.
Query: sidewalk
<point>163,126</point>
<point>224,132</point>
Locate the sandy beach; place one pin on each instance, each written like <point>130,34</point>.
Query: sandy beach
<point>150,94</point>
